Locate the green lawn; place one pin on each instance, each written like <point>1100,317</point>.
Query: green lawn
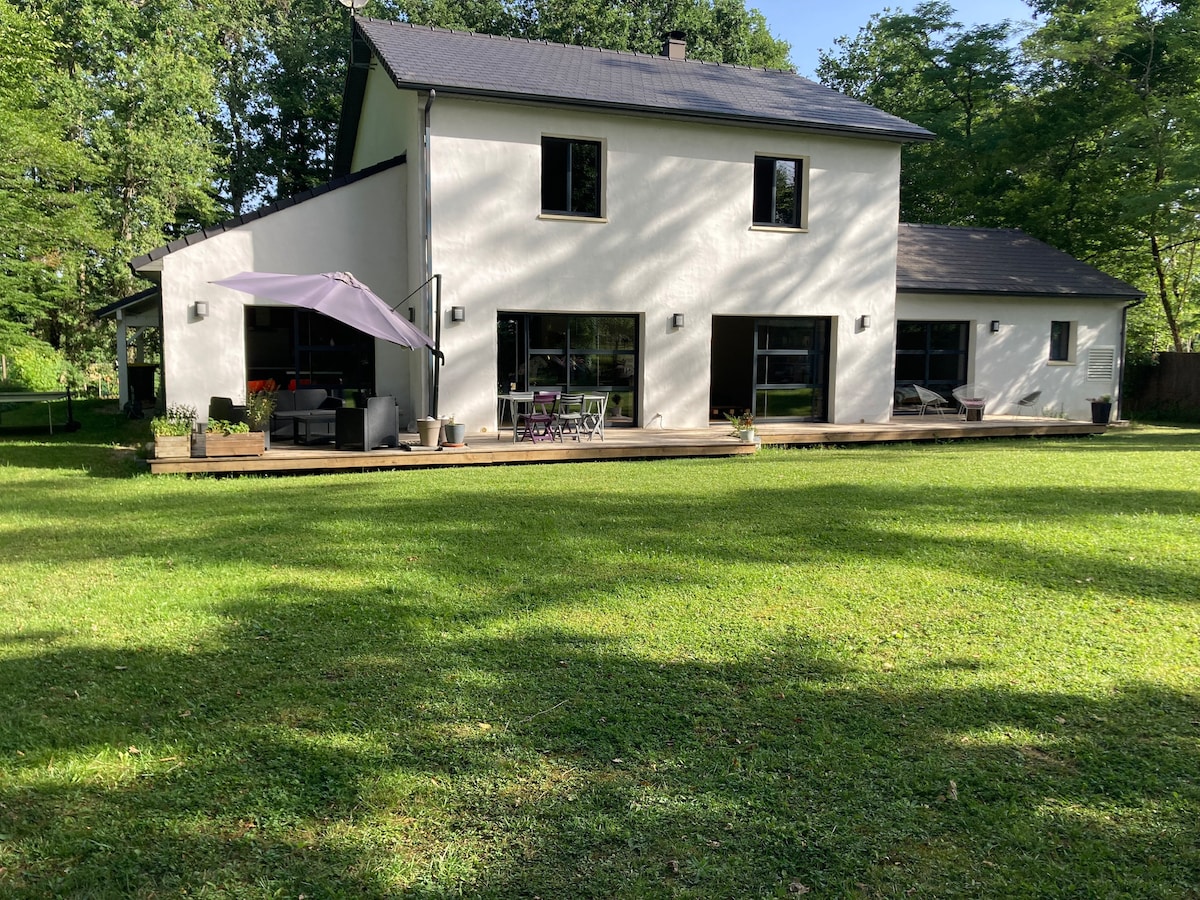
<point>953,670</point>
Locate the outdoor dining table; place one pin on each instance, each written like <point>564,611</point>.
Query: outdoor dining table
<point>518,403</point>
<point>521,402</point>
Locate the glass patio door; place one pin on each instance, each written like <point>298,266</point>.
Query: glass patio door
<point>574,353</point>
<point>791,368</point>
<point>932,354</point>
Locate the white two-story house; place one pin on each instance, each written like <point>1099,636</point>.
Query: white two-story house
<point>690,237</point>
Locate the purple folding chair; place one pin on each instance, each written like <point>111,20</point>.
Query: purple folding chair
<point>539,421</point>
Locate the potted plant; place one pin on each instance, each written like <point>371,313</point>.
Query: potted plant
<point>743,425</point>
<point>456,433</point>
<point>260,406</point>
<point>1101,409</point>
<point>172,431</point>
<point>222,438</point>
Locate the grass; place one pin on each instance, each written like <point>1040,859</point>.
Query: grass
<point>954,670</point>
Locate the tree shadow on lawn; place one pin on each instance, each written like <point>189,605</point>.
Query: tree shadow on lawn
<point>96,460</point>
<point>343,747</point>
<point>369,529</point>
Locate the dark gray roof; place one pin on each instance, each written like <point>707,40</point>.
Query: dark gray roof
<point>939,259</point>
<point>277,206</point>
<point>141,300</point>
<point>480,65</point>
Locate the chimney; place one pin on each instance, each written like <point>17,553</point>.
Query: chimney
<point>675,47</point>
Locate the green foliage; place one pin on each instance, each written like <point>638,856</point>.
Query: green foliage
<point>259,407</point>
<point>34,366</point>
<point>178,420</point>
<point>740,421</point>
<point>936,671</point>
<point>47,223</point>
<point>220,426</point>
<point>715,30</point>
<point>957,82</point>
<point>1088,138</point>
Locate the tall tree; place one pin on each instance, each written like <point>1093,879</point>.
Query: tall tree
<point>1086,139</point>
<point>716,30</point>
<point>47,217</point>
<point>1127,154</point>
<point>957,82</point>
<point>136,87</point>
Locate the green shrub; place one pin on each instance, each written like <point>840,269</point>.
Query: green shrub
<point>176,422</point>
<point>220,426</point>
<point>34,366</point>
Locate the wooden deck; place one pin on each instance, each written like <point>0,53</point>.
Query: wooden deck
<point>622,443</point>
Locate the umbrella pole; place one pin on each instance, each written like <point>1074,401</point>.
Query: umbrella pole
<point>437,342</point>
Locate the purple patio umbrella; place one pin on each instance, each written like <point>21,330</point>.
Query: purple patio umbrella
<point>338,295</point>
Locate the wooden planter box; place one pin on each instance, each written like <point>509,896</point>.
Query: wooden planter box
<point>248,444</point>
<point>173,446</point>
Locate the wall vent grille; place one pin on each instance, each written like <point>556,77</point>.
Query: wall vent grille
<point>1102,363</point>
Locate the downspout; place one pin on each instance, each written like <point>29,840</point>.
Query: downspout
<point>1121,355</point>
<point>430,311</point>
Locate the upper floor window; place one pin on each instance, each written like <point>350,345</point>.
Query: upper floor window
<point>779,192</point>
<point>570,177</point>
<point>1060,342</point>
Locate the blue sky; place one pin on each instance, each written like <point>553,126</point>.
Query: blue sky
<point>812,26</point>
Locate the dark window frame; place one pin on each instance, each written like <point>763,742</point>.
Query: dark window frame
<point>565,177</point>
<point>769,209</point>
<point>1060,341</point>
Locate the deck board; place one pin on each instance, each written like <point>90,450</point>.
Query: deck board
<point>621,443</point>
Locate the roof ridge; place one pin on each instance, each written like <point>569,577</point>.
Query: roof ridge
<point>943,227</point>
<point>534,41</point>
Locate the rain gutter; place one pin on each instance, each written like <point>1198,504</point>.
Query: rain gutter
<point>432,315</point>
<point>1121,354</point>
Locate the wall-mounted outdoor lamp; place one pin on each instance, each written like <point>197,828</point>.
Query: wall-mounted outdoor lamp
<point>458,314</point>
<point>677,320</point>
<point>412,314</point>
<point>864,321</point>
<point>200,309</point>
<point>995,326</point>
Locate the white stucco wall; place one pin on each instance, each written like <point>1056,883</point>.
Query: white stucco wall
<point>677,238</point>
<point>1015,360</point>
<point>358,228</point>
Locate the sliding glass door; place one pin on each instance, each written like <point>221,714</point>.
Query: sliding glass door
<point>570,352</point>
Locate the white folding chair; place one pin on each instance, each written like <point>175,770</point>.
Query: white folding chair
<point>594,408</point>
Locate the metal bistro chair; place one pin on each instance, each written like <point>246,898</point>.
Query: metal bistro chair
<point>931,400</point>
<point>594,408</point>
<point>1027,402</point>
<point>971,400</point>
<point>568,415</point>
<point>539,421</point>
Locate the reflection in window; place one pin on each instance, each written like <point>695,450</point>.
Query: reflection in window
<point>778,191</point>
<point>570,177</point>
<point>1060,341</point>
<point>570,353</point>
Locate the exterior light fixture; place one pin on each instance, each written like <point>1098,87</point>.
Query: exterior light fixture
<point>995,326</point>
<point>458,314</point>
<point>412,314</point>
<point>677,320</point>
<point>864,322</point>
<point>200,309</point>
